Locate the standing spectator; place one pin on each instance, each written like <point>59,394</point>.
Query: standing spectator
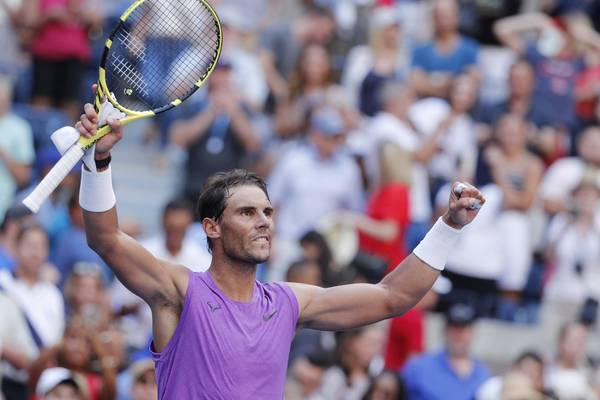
<point>60,50</point>
<point>507,163</point>
<point>218,136</point>
<point>554,61</point>
<point>282,43</point>
<point>368,67</point>
<point>40,302</point>
<point>435,64</point>
<point>451,373</point>
<point>16,149</point>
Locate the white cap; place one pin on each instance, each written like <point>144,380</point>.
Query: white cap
<point>384,16</point>
<point>51,378</point>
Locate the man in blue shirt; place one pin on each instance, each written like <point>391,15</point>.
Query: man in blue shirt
<point>451,373</point>
<point>436,63</point>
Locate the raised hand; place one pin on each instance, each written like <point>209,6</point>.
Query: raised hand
<point>464,204</point>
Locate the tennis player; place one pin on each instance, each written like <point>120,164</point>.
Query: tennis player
<point>222,334</point>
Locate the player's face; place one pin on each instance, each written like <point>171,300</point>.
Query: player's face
<point>247,225</point>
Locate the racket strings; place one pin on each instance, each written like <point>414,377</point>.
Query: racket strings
<point>159,54</point>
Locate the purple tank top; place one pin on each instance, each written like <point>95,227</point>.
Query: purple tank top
<point>224,349</point>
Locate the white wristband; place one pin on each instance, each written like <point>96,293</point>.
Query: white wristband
<point>437,244</point>
<point>96,193</point>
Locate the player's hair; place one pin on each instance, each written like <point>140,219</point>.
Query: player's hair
<point>217,190</point>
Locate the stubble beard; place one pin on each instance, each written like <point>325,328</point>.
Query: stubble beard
<point>244,257</point>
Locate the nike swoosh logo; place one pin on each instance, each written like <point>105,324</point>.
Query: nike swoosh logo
<point>267,317</point>
<point>213,307</point>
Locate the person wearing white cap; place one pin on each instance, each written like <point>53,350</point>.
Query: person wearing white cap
<point>59,384</point>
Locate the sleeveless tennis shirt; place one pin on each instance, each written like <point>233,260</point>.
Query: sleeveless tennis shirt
<point>224,349</point>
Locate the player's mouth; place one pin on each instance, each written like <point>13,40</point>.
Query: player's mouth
<point>262,239</point>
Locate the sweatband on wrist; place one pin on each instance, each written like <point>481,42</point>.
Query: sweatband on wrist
<point>436,246</point>
<point>96,192</point>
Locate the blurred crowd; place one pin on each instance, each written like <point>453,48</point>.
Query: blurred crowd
<point>359,113</point>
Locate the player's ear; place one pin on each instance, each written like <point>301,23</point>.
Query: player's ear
<point>211,228</point>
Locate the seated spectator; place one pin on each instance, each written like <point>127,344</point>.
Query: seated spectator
<point>143,381</point>
<point>59,384</point>
<point>355,350</point>
<point>93,357</point>
<point>527,372</point>
<point>314,248</point>
<point>521,81</point>
<point>71,247</point>
<point>305,376</point>
<point>282,43</point>
<point>311,81</point>
<point>573,251</point>
<point>369,67</point>
<point>316,180</point>
<point>217,137</point>
<point>86,296</point>
<point>569,376</point>
<point>173,244</point>
<point>565,174</point>
<point>451,373</point>
<point>449,54</point>
<point>386,386</point>
<point>14,219</point>
<point>16,149</point>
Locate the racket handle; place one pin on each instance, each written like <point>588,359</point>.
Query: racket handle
<point>56,175</point>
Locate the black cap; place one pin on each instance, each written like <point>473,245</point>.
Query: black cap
<point>460,314</point>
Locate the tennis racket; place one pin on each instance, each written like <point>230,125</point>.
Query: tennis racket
<point>160,52</point>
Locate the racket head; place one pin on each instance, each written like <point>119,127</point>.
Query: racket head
<point>158,55</point>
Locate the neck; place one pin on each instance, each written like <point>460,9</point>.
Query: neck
<point>235,279</point>
<point>462,365</point>
<point>446,38</point>
<point>173,248</point>
<point>24,275</point>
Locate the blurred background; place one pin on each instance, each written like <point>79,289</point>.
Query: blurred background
<point>359,114</point>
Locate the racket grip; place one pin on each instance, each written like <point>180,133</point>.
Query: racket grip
<point>56,175</point>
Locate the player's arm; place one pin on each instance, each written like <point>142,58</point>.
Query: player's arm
<point>348,306</point>
<point>155,281</point>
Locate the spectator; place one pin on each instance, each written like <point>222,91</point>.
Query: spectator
<point>40,302</point>
<point>451,373</point>
<point>527,370</point>
<point>521,81</point>
<point>310,82</point>
<point>174,244</point>
<point>17,349</point>
<point>11,20</point>
<point>86,296</point>
<point>143,376</point>
<point>316,180</point>
<point>59,384</point>
<point>282,43</point>
<point>507,163</point>
<point>565,174</point>
<point>80,350</point>
<point>218,136</point>
<point>368,67</point>
<point>573,248</point>
<point>586,85</point>
<point>306,375</point>
<point>13,220</point>
<point>314,247</point>
<point>569,377</point>
<point>435,64</point>
<point>71,247</point>
<point>60,50</point>
<point>386,386</point>
<point>16,149</point>
<point>349,378</point>
<point>554,61</point>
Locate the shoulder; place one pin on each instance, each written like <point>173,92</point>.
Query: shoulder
<point>468,43</point>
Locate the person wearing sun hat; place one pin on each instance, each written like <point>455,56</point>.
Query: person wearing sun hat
<point>59,384</point>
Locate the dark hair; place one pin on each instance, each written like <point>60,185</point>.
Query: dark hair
<point>529,355</point>
<point>178,204</point>
<point>401,395</point>
<point>30,227</point>
<point>217,190</point>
